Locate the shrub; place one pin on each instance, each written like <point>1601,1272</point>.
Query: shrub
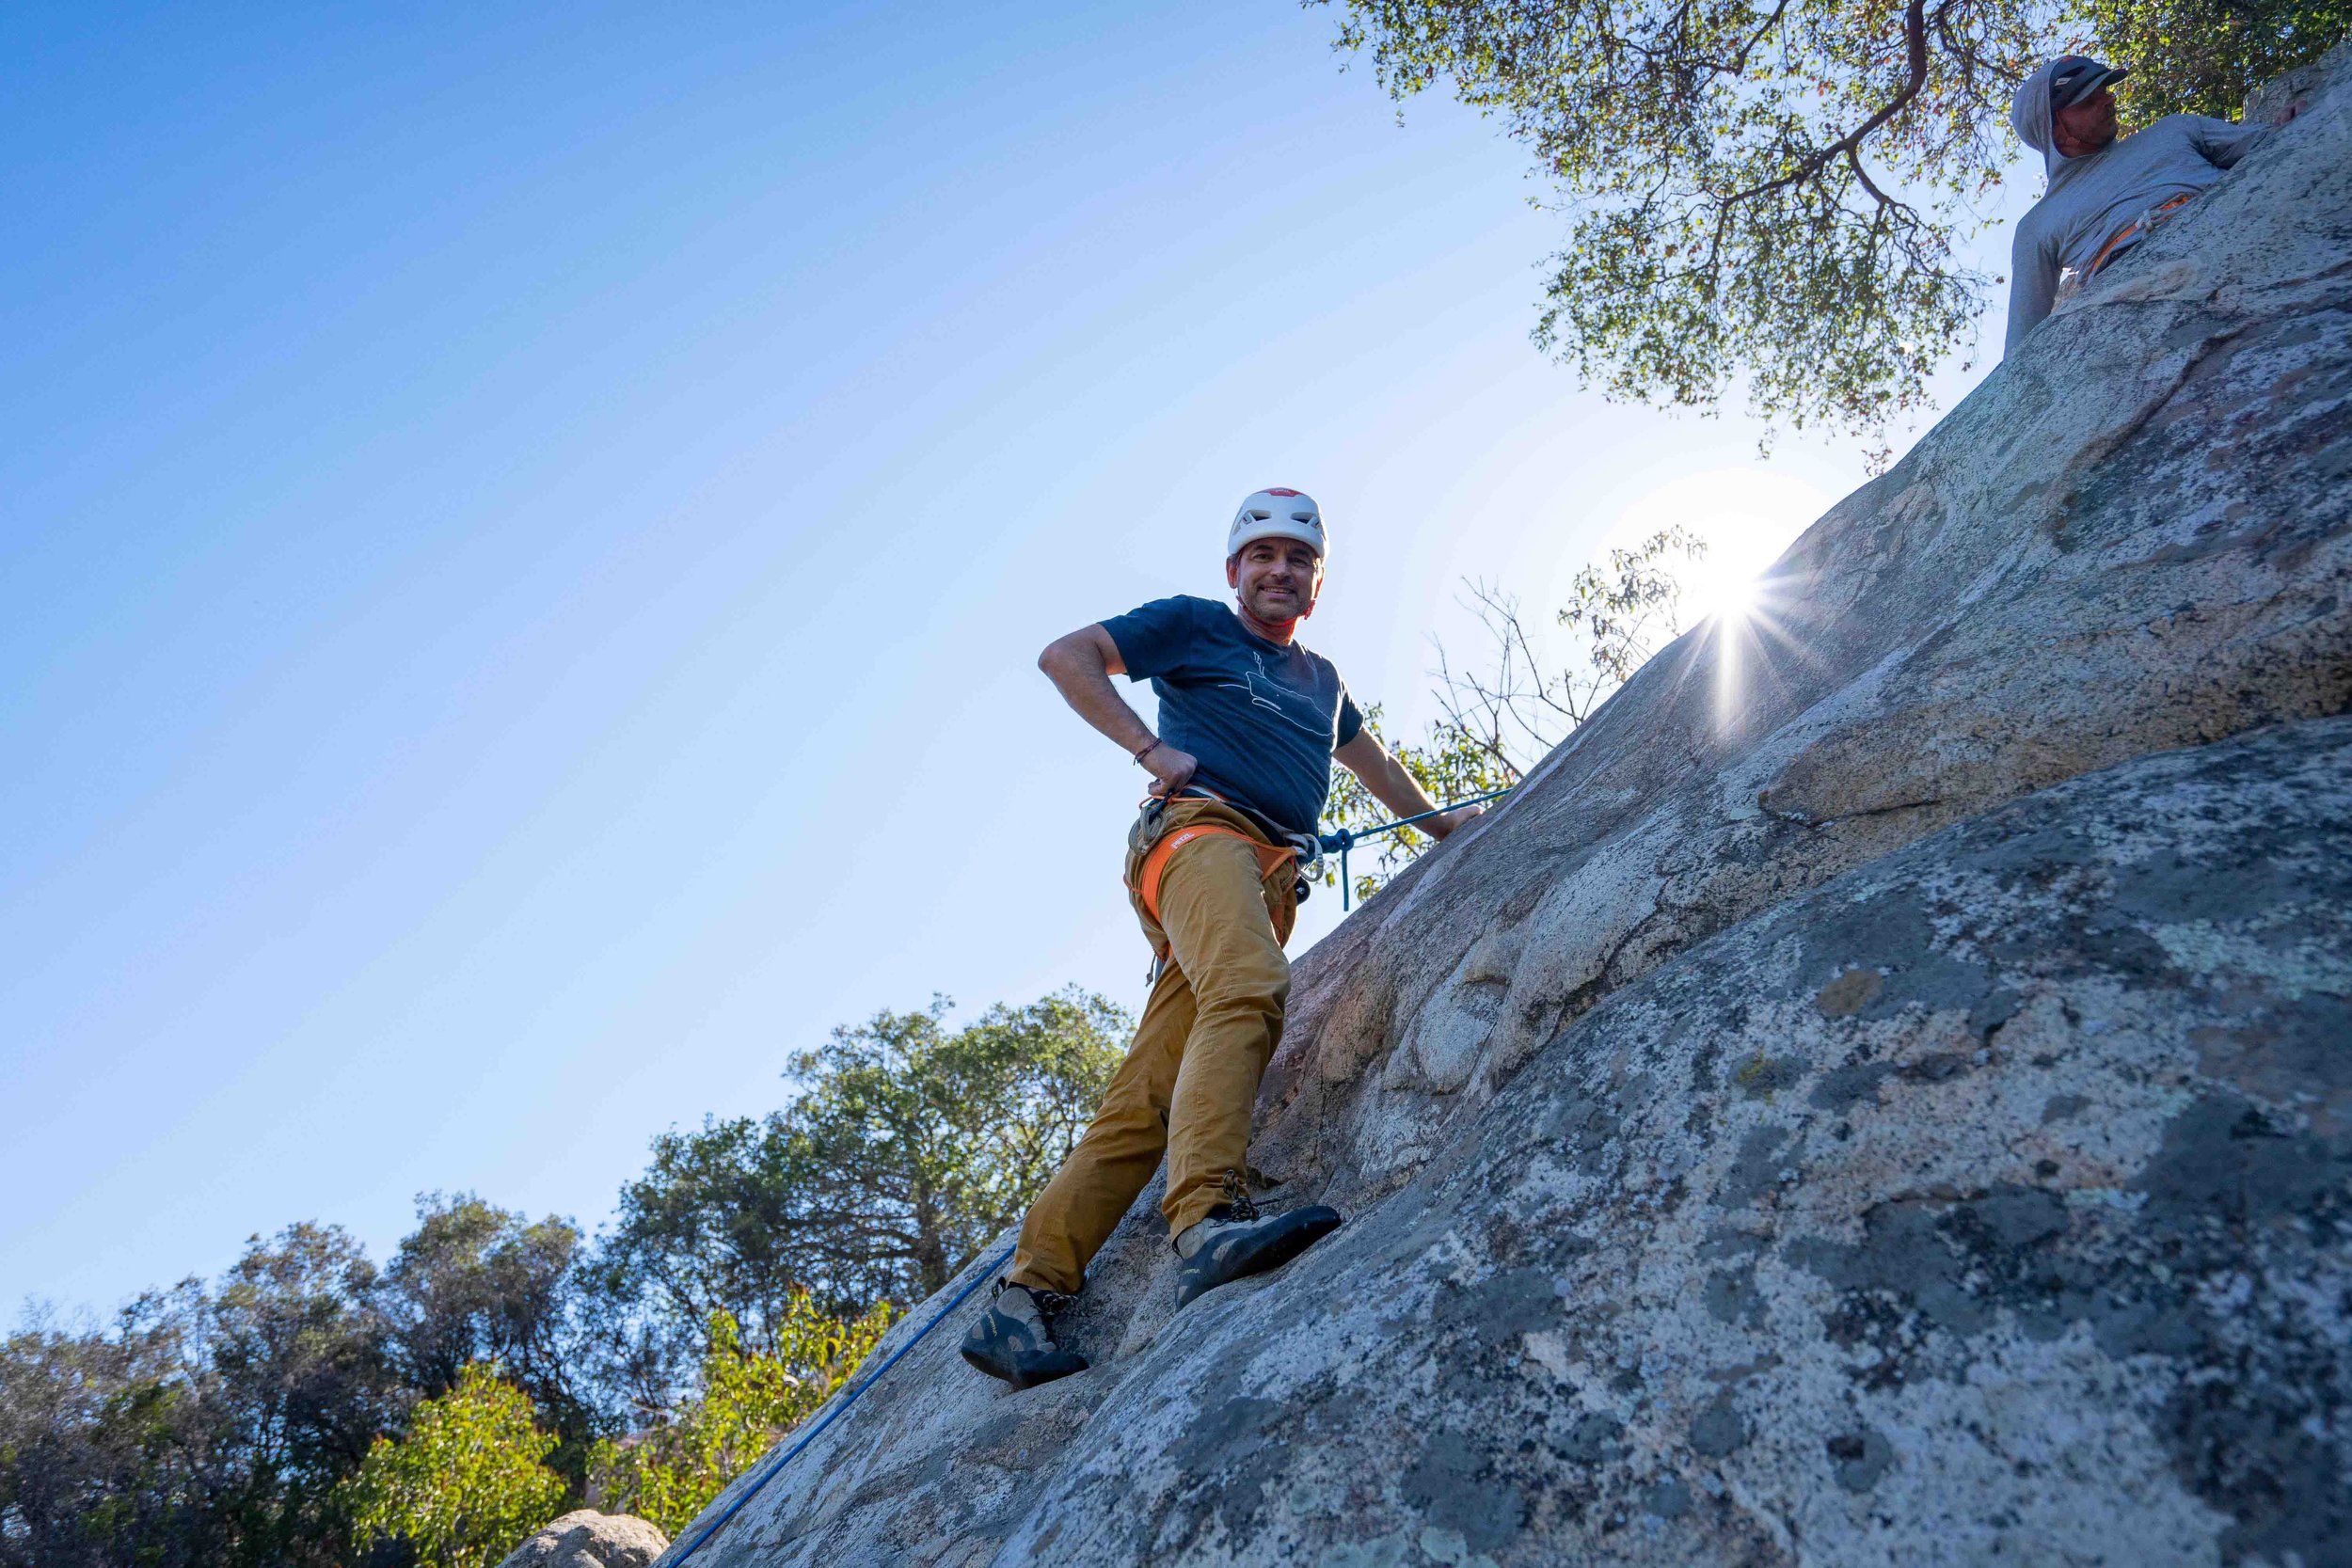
<point>744,1403</point>
<point>466,1482</point>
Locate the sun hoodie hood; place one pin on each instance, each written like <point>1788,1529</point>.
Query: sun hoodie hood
<point>2029,115</point>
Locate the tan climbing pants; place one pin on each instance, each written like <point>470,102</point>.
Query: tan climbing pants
<point>1190,1080</point>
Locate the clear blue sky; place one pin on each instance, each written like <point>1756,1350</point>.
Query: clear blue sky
<point>524,533</point>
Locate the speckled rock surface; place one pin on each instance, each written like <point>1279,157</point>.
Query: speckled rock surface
<point>587,1539</point>
<point>1881,1094</point>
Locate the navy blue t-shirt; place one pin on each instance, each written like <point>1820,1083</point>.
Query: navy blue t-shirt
<point>1262,718</point>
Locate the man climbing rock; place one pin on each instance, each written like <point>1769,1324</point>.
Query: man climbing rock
<point>1249,722</point>
<point>2106,191</point>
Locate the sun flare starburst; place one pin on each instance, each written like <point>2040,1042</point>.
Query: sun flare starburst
<point>1743,517</point>
<point>1744,520</point>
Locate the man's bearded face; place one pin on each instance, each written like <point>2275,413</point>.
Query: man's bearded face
<point>1275,580</point>
<point>2088,126</point>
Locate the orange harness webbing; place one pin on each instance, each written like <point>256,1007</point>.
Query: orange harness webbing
<point>2133,230</point>
<point>1154,864</point>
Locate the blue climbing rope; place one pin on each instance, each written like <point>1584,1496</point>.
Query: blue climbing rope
<point>847,1400</point>
<point>1347,838</point>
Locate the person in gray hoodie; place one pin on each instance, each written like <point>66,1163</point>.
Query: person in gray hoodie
<point>2102,187</point>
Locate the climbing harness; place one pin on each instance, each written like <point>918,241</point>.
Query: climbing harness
<point>996,1265</point>
<point>1347,838</point>
<point>1271,858</point>
<point>2135,231</point>
<point>1311,848</point>
<point>1283,847</point>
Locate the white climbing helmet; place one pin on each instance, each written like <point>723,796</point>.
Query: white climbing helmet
<point>1276,514</point>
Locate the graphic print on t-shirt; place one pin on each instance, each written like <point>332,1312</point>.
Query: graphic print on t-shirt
<point>1270,694</point>
<point>1260,719</point>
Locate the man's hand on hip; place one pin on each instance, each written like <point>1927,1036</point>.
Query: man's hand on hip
<point>1170,768</point>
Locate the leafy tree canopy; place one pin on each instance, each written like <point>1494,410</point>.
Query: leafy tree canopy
<point>224,1426</point>
<point>743,1403</point>
<point>466,1483</point>
<point>1768,191</point>
<point>201,1427</point>
<point>2204,56</point>
<point>909,1146</point>
<point>924,1142</point>
<point>474,1283</point>
<point>298,1380</point>
<point>108,1450</point>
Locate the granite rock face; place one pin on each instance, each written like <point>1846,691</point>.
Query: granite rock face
<point>1882,1093</point>
<point>587,1539</point>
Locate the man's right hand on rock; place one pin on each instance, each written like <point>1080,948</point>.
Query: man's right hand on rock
<point>1439,827</point>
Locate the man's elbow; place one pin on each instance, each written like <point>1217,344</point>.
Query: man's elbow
<point>1063,656</point>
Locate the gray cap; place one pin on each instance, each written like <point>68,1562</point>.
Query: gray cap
<point>2075,77</point>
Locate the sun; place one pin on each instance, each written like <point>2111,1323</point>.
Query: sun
<point>1746,517</point>
<point>1718,585</point>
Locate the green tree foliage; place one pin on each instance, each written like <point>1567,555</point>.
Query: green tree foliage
<point>224,1426</point>
<point>1757,189</point>
<point>301,1381</point>
<point>1769,191</point>
<point>201,1428</point>
<point>743,1403</point>
<point>1501,714</point>
<point>924,1142</point>
<point>466,1483</point>
<point>210,1427</point>
<point>474,1282</point>
<point>909,1146</point>
<point>718,1222</point>
<point>107,1446</point>
<point>2204,56</point>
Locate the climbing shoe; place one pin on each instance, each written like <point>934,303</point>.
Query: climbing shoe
<point>1236,1239</point>
<point>1014,1338</point>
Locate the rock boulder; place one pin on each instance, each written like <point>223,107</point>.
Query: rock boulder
<point>587,1539</point>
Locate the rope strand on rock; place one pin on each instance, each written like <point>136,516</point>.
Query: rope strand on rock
<point>1347,838</point>
<point>764,1476</point>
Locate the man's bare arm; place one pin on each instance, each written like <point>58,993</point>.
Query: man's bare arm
<point>1081,666</point>
<point>1394,788</point>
